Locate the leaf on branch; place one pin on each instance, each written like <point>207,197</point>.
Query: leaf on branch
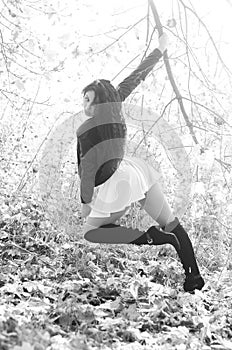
<point>19,85</point>
<point>171,23</point>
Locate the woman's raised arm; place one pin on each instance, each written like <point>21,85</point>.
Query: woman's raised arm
<point>140,73</point>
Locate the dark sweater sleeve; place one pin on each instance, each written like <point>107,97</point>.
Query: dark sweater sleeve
<point>133,80</point>
<point>86,157</point>
<point>88,171</point>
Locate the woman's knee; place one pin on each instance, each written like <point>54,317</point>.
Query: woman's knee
<point>87,228</point>
<point>157,206</point>
<point>94,223</point>
<point>142,202</point>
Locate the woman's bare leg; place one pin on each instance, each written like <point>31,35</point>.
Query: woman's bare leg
<point>156,205</point>
<point>94,230</point>
<point>95,222</point>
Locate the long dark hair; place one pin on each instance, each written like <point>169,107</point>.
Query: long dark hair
<point>108,111</point>
<point>105,92</point>
<point>107,99</point>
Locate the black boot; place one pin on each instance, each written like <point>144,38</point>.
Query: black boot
<point>154,236</point>
<point>116,234</point>
<point>186,254</point>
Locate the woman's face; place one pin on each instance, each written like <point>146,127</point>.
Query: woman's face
<point>87,103</point>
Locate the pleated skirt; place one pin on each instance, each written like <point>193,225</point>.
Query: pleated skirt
<point>129,184</point>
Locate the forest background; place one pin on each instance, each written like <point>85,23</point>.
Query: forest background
<point>57,291</point>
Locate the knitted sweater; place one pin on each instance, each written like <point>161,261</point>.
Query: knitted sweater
<point>101,139</point>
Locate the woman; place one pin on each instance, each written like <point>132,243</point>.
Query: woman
<point>123,180</point>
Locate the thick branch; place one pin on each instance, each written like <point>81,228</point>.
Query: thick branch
<point>170,75</point>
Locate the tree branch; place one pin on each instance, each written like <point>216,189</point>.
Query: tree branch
<point>170,75</point>
<point>210,36</point>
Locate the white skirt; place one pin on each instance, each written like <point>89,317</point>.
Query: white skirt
<point>133,178</point>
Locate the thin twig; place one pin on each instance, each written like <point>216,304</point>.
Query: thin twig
<point>125,11</point>
<point>31,53</point>
<point>153,124</point>
<point>208,32</point>
<point>148,45</point>
<point>30,110</point>
<point>5,57</point>
<point>148,23</point>
<point>116,40</point>
<point>124,67</point>
<point>20,65</point>
<point>6,19</point>
<point>207,108</point>
<point>4,25</point>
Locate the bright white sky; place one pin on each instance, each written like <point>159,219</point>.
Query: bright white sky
<point>81,23</point>
<point>96,16</point>
<point>216,14</point>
